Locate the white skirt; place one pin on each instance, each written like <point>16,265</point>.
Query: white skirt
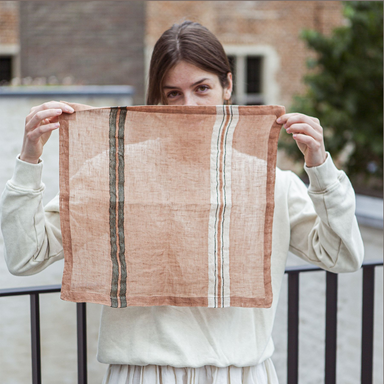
<point>263,373</point>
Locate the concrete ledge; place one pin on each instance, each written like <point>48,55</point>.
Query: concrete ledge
<point>369,211</point>
<point>67,90</point>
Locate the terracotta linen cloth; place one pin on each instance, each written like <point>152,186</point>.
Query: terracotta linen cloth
<point>168,205</point>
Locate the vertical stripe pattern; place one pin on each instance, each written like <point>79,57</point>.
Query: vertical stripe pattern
<point>221,201</point>
<point>116,206</point>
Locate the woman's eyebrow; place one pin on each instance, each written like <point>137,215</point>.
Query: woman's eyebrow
<point>197,82</point>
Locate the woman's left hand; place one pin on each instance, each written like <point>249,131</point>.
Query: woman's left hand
<point>308,134</point>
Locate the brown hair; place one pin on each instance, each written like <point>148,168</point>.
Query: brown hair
<point>190,42</point>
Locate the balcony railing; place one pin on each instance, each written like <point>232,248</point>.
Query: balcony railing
<point>368,290</point>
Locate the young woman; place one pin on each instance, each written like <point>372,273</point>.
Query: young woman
<point>192,344</point>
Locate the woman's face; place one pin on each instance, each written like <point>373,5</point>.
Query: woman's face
<point>186,84</point>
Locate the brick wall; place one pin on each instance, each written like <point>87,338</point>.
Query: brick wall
<point>273,23</point>
<point>9,22</point>
<point>99,42</point>
<point>102,42</point>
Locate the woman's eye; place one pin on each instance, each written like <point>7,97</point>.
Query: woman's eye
<point>172,94</point>
<point>202,88</point>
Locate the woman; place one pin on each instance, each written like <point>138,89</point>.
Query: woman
<point>192,344</point>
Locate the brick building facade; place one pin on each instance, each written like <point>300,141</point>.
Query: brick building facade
<point>110,42</point>
<point>267,30</point>
<point>9,23</point>
<point>98,42</point>
<point>9,39</point>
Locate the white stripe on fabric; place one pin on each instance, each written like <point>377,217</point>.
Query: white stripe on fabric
<point>228,198</point>
<point>212,243</point>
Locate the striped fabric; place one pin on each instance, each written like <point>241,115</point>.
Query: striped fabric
<point>117,118</point>
<point>165,205</point>
<point>220,212</point>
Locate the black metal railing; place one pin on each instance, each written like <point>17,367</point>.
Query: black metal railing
<point>368,288</point>
<point>81,315</point>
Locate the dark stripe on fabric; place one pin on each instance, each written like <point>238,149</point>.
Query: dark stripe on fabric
<point>225,204</point>
<point>112,205</point>
<point>120,209</point>
<point>217,206</point>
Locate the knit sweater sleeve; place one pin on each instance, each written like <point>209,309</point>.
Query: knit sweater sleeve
<point>32,235</point>
<point>324,229</point>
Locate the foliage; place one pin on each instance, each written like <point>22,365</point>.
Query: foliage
<point>345,89</point>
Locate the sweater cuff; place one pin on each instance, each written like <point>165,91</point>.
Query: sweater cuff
<point>324,176</point>
<point>27,175</point>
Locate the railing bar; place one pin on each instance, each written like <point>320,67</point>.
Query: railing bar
<point>30,290</point>
<point>302,268</point>
<point>293,329</point>
<point>312,268</point>
<point>293,325</point>
<point>367,324</point>
<point>372,263</point>
<point>56,288</point>
<point>35,338</point>
<point>81,310</point>
<point>331,328</point>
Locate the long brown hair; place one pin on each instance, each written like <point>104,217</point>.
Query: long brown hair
<point>190,42</point>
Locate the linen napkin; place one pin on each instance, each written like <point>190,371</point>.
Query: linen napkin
<point>168,205</point>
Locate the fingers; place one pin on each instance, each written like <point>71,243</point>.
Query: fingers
<point>39,124</point>
<point>310,142</point>
<point>305,129</point>
<point>292,118</point>
<point>297,123</point>
<point>54,105</point>
<point>50,105</point>
<point>35,134</point>
<point>40,116</point>
<point>308,134</point>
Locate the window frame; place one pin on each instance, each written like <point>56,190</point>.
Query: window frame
<point>270,89</point>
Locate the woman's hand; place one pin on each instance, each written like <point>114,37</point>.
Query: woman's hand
<point>39,124</point>
<point>308,134</point>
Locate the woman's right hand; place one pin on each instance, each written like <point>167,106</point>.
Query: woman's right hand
<point>39,124</point>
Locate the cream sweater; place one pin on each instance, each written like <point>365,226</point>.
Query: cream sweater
<point>317,224</point>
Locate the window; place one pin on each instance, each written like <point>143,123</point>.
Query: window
<point>5,69</point>
<point>255,71</point>
<point>247,72</point>
<point>254,67</point>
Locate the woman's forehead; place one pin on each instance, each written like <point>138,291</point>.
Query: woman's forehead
<point>186,73</point>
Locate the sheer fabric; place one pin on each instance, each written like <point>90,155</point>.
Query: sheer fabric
<point>263,373</point>
<point>163,205</point>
